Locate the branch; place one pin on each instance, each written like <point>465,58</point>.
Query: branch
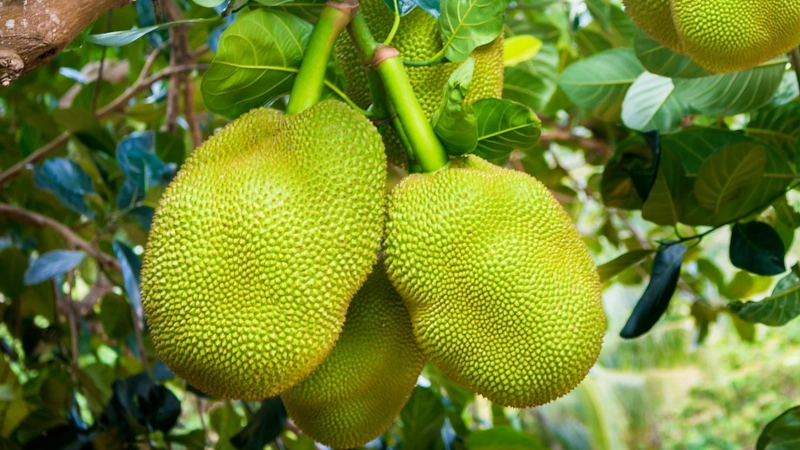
<point>602,148</point>
<point>32,218</point>
<point>141,84</point>
<point>31,35</point>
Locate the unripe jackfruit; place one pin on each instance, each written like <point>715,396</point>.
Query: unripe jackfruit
<point>502,292</point>
<point>721,35</point>
<point>258,245</point>
<point>356,393</point>
<point>418,39</point>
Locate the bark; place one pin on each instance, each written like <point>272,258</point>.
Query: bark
<point>32,32</point>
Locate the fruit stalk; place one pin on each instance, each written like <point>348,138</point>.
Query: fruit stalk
<point>424,145</point>
<point>307,89</point>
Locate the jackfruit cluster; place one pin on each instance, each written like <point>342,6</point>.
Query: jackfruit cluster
<point>721,35</point>
<point>418,39</point>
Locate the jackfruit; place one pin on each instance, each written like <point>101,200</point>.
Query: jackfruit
<point>258,245</point>
<point>418,39</point>
<point>654,17</point>
<point>503,294</point>
<point>356,393</point>
<point>721,35</point>
<point>732,35</point>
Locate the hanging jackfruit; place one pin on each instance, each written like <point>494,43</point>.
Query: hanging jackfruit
<point>418,39</point>
<point>356,393</point>
<point>258,245</point>
<point>502,292</point>
<point>721,35</point>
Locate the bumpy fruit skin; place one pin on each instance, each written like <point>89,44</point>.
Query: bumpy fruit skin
<point>503,294</point>
<point>356,393</point>
<point>732,35</point>
<point>258,245</point>
<point>654,17</point>
<point>418,39</point>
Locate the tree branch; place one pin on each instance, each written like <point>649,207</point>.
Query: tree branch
<point>602,148</point>
<point>32,218</point>
<point>141,84</point>
<point>31,35</point>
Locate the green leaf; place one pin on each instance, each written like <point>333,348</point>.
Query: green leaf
<point>67,181</point>
<point>660,60</point>
<point>533,82</point>
<point>778,127</point>
<point>610,269</point>
<point>51,265</point>
<point>732,93</point>
<point>728,174</point>
<point>504,125</point>
<point>659,291</point>
<point>520,48</point>
<point>663,205</point>
<point>454,122</point>
<point>257,61</point>
<point>599,83</point>
<point>131,269</point>
<point>266,425</point>
<point>757,248</point>
<point>778,309</point>
<point>467,24</point>
<point>209,3</point>
<point>502,437</point>
<point>422,418</point>
<point>650,104</point>
<point>782,433</point>
<point>121,38</point>
<point>630,174</point>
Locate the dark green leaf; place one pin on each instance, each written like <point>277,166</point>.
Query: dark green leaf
<point>51,265</point>
<point>757,248</point>
<point>777,309</point>
<point>533,82</point>
<point>264,427</point>
<point>422,418</point>
<point>626,174</point>
<point>454,122</point>
<point>467,24</point>
<point>131,268</point>
<point>503,126</point>
<point>610,269</point>
<point>502,438</point>
<point>656,297</point>
<point>67,181</point>
<point>660,60</point>
<point>782,433</point>
<point>728,174</point>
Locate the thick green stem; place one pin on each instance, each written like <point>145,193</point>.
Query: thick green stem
<point>426,146</point>
<point>307,89</point>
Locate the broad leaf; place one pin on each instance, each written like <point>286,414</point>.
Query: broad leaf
<point>610,269</point>
<point>650,104</point>
<point>67,181</point>
<point>131,268</point>
<point>782,306</point>
<point>423,417</point>
<point>663,205</point>
<point>52,265</point>
<point>504,125</point>
<point>757,248</point>
<point>782,432</point>
<point>778,127</point>
<point>454,122</point>
<point>503,437</point>
<point>533,82</point>
<point>467,24</point>
<point>266,425</point>
<point>728,174</point>
<point>659,291</point>
<point>520,48</point>
<point>660,60</point>
<point>121,38</point>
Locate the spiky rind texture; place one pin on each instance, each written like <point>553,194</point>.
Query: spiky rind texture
<point>418,39</point>
<point>654,18</point>
<point>356,393</point>
<point>258,245</point>
<point>502,292</point>
<point>731,35</point>
<point>721,35</point>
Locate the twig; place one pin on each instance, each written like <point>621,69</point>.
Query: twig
<point>602,148</point>
<point>188,112</point>
<point>32,218</point>
<point>141,84</point>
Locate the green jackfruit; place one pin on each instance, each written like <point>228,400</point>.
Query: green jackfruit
<point>721,35</point>
<point>654,17</point>
<point>502,292</point>
<point>356,393</point>
<point>258,245</point>
<point>418,39</point>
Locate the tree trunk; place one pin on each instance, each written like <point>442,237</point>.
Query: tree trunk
<point>32,32</point>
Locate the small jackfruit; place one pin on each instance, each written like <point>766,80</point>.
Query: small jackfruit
<point>356,393</point>
<point>258,245</point>
<point>418,39</point>
<point>721,35</point>
<point>503,294</point>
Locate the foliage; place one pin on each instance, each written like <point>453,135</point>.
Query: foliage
<point>682,182</point>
